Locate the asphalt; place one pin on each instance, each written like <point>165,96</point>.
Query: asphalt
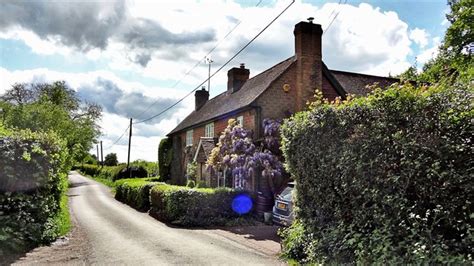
<point>118,234</point>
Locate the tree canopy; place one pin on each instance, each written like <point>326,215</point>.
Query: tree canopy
<point>52,107</point>
<point>455,60</point>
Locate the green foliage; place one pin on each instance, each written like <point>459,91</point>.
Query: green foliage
<point>112,173</point>
<point>111,159</point>
<point>454,63</point>
<point>89,169</point>
<point>33,206</point>
<point>150,167</point>
<point>52,107</point>
<point>191,170</point>
<point>385,179</point>
<point>165,156</point>
<point>192,206</point>
<point>134,192</point>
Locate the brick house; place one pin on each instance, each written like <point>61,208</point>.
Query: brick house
<point>275,93</point>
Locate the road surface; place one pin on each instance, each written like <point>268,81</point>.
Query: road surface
<point>109,232</point>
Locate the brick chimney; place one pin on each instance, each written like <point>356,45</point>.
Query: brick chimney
<point>201,97</point>
<point>308,61</point>
<point>236,77</point>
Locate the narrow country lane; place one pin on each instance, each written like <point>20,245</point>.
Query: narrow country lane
<point>118,234</point>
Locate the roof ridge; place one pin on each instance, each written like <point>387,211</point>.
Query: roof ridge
<point>361,74</point>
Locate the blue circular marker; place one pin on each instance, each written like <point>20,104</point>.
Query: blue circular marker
<point>242,204</point>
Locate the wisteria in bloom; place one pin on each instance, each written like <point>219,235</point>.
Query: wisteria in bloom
<point>234,152</point>
<point>270,158</point>
<point>237,153</point>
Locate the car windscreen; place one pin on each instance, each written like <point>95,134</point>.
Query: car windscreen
<point>286,194</point>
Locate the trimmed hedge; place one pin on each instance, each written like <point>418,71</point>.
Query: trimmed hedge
<point>135,192</point>
<point>383,179</point>
<point>191,206</point>
<point>33,179</point>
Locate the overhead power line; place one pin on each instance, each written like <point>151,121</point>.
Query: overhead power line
<point>119,138</point>
<point>334,18</point>
<point>220,68</point>
<point>199,61</point>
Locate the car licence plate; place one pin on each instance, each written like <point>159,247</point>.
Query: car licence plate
<point>281,205</point>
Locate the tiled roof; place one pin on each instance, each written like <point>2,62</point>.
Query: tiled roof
<point>225,102</point>
<point>355,83</point>
<point>206,144</point>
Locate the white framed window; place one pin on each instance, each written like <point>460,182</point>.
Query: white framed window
<point>240,120</point>
<point>209,130</point>
<point>189,137</point>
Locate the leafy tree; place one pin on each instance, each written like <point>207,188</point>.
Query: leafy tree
<point>454,62</point>
<point>111,159</point>
<point>44,107</point>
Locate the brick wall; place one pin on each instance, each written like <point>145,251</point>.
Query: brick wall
<point>328,91</point>
<point>275,103</point>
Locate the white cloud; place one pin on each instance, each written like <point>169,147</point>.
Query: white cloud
<point>361,39</point>
<point>430,52</point>
<point>419,36</point>
<point>146,135</point>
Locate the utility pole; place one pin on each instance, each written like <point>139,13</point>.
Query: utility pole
<point>209,62</point>
<point>97,145</point>
<point>101,154</point>
<point>129,144</point>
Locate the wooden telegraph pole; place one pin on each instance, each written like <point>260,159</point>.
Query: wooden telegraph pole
<point>129,144</point>
<point>101,154</point>
<point>97,145</point>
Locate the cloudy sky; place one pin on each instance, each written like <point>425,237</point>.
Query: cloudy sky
<point>135,57</point>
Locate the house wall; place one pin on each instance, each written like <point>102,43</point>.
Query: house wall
<point>328,90</point>
<point>186,154</point>
<point>275,103</point>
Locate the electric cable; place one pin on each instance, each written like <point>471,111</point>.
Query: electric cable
<point>220,68</point>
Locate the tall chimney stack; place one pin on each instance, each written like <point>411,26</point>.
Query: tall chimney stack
<point>308,61</point>
<point>201,97</point>
<point>236,77</point>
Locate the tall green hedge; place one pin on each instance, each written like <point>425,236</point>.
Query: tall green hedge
<point>384,179</point>
<point>33,179</point>
<point>165,156</point>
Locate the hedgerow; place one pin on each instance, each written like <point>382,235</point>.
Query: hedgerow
<point>112,173</point>
<point>134,192</point>
<point>383,179</point>
<point>33,206</point>
<point>193,206</point>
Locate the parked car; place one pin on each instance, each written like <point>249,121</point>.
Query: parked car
<point>283,208</point>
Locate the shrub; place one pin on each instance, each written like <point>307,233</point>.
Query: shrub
<point>134,192</point>
<point>113,173</point>
<point>384,179</point>
<point>165,156</point>
<point>192,206</point>
<point>89,169</point>
<point>33,171</point>
<point>137,172</point>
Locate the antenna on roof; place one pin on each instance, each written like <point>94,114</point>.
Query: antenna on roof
<point>209,62</point>
<point>310,20</point>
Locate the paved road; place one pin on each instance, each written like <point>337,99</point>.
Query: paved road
<point>118,234</point>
